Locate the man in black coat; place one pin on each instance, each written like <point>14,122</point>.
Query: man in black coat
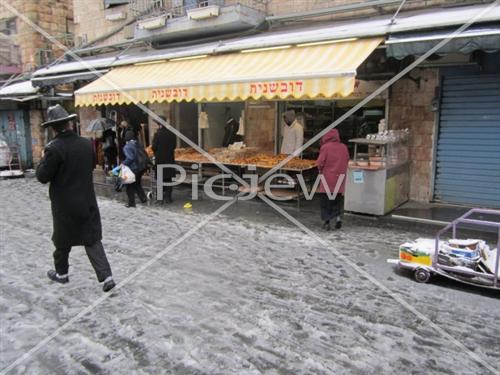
<point>67,163</point>
<point>164,143</point>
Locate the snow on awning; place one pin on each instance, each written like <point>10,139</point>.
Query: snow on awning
<point>19,92</point>
<point>486,38</point>
<point>67,78</point>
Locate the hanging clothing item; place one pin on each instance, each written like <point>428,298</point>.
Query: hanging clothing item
<point>241,128</point>
<point>203,121</point>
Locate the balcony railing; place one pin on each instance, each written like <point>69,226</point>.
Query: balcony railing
<point>178,8</point>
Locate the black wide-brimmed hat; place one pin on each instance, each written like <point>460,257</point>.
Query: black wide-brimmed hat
<point>56,114</point>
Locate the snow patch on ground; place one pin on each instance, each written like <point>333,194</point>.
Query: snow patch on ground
<point>238,297</point>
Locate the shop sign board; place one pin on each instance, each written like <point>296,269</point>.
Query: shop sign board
<point>277,87</point>
<point>345,88</point>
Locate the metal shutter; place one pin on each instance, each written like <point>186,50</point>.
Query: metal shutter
<point>468,151</point>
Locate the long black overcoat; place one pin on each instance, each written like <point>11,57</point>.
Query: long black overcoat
<point>164,143</point>
<point>67,164</point>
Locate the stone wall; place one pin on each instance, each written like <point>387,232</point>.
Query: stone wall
<point>410,107</point>
<point>91,23</point>
<point>260,119</point>
<point>282,7</point>
<point>53,16</point>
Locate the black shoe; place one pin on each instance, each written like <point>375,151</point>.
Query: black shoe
<point>326,225</point>
<point>108,285</point>
<point>55,277</point>
<point>338,225</point>
<point>128,205</point>
<point>145,200</point>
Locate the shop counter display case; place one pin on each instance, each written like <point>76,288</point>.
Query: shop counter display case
<point>377,180</point>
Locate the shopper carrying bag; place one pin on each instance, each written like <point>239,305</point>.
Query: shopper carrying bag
<point>133,162</point>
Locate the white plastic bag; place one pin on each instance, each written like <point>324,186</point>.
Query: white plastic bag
<point>127,176</point>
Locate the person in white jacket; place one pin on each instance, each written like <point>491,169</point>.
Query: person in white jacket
<point>293,133</point>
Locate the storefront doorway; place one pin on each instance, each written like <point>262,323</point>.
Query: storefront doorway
<point>468,150</point>
<point>14,127</point>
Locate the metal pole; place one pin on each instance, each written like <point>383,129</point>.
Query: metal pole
<point>495,280</point>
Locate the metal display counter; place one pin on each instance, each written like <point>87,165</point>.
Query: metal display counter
<point>380,183</point>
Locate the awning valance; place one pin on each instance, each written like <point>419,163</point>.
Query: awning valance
<point>309,71</point>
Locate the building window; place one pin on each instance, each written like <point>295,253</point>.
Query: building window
<point>8,26</point>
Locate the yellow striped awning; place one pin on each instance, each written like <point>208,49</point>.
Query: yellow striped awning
<point>299,72</point>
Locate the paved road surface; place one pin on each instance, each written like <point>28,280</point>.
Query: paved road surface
<point>242,296</point>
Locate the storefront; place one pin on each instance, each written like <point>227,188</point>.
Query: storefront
<point>251,86</point>
<point>16,106</point>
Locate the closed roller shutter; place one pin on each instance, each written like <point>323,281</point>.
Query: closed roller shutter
<point>468,151</point>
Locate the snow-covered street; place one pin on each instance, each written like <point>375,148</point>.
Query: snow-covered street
<point>241,296</point>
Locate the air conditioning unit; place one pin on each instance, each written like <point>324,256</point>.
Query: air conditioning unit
<point>128,31</point>
<point>203,12</point>
<point>152,23</point>
<point>118,16</point>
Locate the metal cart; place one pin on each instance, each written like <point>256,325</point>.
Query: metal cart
<point>423,273</point>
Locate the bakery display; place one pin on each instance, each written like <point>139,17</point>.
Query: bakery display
<point>243,157</point>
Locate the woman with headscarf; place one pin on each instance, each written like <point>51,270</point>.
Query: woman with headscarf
<point>132,161</point>
<point>332,165</point>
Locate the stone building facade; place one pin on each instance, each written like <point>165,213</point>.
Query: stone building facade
<point>35,50</point>
<point>53,16</point>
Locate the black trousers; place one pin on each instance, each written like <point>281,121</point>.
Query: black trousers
<point>110,155</point>
<point>167,190</point>
<point>331,208</point>
<point>136,188</point>
<point>96,255</point>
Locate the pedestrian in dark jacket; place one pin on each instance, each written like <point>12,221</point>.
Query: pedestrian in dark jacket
<point>164,143</point>
<point>332,165</point>
<point>131,161</point>
<point>109,148</point>
<point>67,163</point>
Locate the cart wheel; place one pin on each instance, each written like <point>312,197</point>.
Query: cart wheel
<point>422,275</point>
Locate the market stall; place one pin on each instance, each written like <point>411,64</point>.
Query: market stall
<point>247,161</point>
<point>249,86</point>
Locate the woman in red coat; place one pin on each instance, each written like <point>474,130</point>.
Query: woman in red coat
<point>332,164</point>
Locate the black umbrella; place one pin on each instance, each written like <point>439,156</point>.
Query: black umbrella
<point>100,125</point>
